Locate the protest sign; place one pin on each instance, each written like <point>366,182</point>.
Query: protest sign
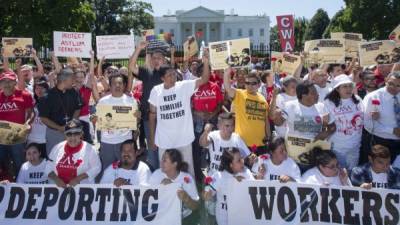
<point>115,46</point>
<point>271,202</point>
<point>290,64</point>
<point>351,41</point>
<point>276,61</point>
<point>234,53</point>
<point>72,44</point>
<point>395,34</point>
<point>325,51</point>
<point>299,148</point>
<point>89,204</point>
<point>379,52</point>
<point>190,48</point>
<point>12,133</point>
<point>286,32</point>
<point>17,47</point>
<point>111,117</point>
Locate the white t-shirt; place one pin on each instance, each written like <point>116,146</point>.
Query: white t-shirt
<point>379,180</point>
<point>189,186</point>
<point>396,162</point>
<point>174,115</point>
<point>273,172</point>
<point>221,182</point>
<point>30,174</point>
<point>120,135</point>
<point>314,176</point>
<point>218,145</point>
<point>138,175</point>
<point>322,92</point>
<point>38,132</point>
<point>281,101</point>
<point>349,120</point>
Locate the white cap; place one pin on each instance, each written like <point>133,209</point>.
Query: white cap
<point>340,80</point>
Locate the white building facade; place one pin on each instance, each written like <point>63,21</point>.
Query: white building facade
<point>214,25</point>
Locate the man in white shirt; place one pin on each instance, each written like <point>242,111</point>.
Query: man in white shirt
<point>320,79</point>
<point>128,171</point>
<point>382,117</point>
<point>170,118</point>
<point>111,139</point>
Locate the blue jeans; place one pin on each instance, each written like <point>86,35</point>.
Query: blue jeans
<point>151,154</point>
<point>16,152</point>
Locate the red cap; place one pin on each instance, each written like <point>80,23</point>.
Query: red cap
<point>8,75</point>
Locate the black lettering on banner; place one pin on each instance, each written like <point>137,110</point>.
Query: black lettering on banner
<point>145,204</point>
<point>262,205</point>
<point>303,192</point>
<point>13,212</point>
<point>29,213</point>
<point>369,207</point>
<point>330,206</point>
<point>391,209</point>
<point>291,214</point>
<point>67,197</point>
<point>50,198</point>
<point>1,193</point>
<point>347,196</point>
<point>84,203</point>
<point>133,205</point>
<point>104,194</point>
<point>114,214</point>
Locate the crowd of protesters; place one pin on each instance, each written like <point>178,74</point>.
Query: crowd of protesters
<point>195,123</point>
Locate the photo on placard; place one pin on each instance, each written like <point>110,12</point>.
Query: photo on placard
<point>17,47</point>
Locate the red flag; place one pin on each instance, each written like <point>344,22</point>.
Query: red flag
<point>286,32</point>
<point>199,34</point>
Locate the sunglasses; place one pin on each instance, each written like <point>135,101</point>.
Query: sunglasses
<point>73,134</point>
<point>251,83</point>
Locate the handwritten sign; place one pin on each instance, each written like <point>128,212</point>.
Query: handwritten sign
<point>17,47</point>
<point>115,46</point>
<point>69,44</point>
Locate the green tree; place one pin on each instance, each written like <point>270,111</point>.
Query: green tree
<point>300,26</point>
<point>317,25</point>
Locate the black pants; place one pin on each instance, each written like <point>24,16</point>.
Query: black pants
<point>369,140</point>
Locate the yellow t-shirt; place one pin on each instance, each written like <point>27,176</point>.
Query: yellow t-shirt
<point>250,117</point>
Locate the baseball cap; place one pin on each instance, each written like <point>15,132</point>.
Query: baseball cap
<point>8,75</point>
<point>73,126</point>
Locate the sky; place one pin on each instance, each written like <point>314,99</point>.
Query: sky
<point>272,8</point>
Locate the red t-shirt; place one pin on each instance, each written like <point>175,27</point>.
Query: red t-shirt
<point>216,78</point>
<point>12,108</point>
<point>85,93</point>
<point>270,93</point>
<point>207,97</point>
<point>66,167</point>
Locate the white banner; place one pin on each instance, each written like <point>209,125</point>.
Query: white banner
<point>89,204</point>
<point>265,202</point>
<point>72,44</point>
<point>115,46</point>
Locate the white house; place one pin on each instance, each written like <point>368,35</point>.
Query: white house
<point>214,25</point>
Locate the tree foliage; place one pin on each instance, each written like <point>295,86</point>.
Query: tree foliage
<point>317,25</point>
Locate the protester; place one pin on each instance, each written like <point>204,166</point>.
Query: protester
<point>222,139</point>
<point>61,104</point>
<point>346,109</point>
<point>368,83</point>
<point>268,85</point>
<point>377,173</point>
<point>320,79</point>
<point>171,121</point>
<point>16,106</point>
<point>251,111</point>
<point>326,170</point>
<point>277,165</point>
<point>73,161</point>
<point>128,171</point>
<point>174,170</point>
<point>231,168</point>
<point>33,171</point>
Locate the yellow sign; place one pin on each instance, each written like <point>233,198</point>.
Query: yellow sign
<point>190,48</point>
<point>17,47</point>
<point>351,42</point>
<point>12,133</point>
<point>111,117</point>
<point>395,34</point>
<point>325,51</point>
<point>299,148</point>
<point>234,53</point>
<point>379,52</point>
<point>290,64</point>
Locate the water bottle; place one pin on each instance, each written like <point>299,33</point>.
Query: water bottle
<point>203,45</point>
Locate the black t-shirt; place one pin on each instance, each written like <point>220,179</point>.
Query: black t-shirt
<point>149,81</point>
<point>58,105</point>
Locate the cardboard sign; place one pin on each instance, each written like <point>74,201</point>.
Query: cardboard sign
<point>395,34</point>
<point>112,117</point>
<point>72,44</point>
<point>299,148</point>
<point>290,64</point>
<point>325,51</point>
<point>351,42</point>
<point>115,46</point>
<point>190,48</point>
<point>12,133</point>
<point>286,32</point>
<point>17,47</point>
<point>276,61</point>
<point>234,53</point>
<point>379,52</point>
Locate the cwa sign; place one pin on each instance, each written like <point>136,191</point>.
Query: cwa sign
<point>286,32</point>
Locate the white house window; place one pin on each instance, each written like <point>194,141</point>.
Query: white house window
<point>172,31</point>
<point>161,31</point>
<point>240,32</point>
<point>251,32</point>
<point>228,32</point>
<point>262,32</point>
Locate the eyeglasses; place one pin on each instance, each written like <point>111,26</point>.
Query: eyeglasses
<point>391,84</point>
<point>251,83</point>
<point>73,134</point>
